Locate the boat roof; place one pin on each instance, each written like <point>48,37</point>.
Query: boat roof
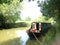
<point>40,22</point>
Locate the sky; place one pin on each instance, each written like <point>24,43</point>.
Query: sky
<point>30,9</point>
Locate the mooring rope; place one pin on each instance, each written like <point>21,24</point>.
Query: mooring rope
<point>36,38</point>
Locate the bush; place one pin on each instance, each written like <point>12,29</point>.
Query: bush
<point>21,24</point>
<point>2,21</point>
<point>14,25</point>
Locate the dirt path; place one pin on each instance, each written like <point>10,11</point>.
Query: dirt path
<point>57,40</point>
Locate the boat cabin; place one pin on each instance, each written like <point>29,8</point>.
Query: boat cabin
<point>37,27</point>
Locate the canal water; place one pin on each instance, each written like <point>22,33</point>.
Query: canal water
<point>23,36</point>
<point>15,37</point>
<point>20,37</point>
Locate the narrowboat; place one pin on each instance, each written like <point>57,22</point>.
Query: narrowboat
<point>38,29</point>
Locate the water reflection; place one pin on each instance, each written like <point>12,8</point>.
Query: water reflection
<point>23,36</point>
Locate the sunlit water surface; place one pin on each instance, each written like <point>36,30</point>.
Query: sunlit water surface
<point>23,36</point>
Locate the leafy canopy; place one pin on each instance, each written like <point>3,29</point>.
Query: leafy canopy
<point>10,11</point>
<point>51,8</point>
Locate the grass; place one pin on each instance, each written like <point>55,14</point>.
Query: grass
<point>48,39</point>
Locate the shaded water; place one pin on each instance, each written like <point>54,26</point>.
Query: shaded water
<point>20,37</point>
<point>13,37</point>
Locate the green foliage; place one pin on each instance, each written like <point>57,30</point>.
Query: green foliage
<point>2,21</point>
<point>45,19</point>
<point>48,39</point>
<point>41,19</point>
<point>9,12</point>
<point>51,8</point>
<point>9,1</point>
<point>5,1</point>
<point>15,25</point>
<point>22,24</point>
<point>21,0</point>
<point>28,18</point>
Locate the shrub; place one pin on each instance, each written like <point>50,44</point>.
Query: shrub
<point>14,25</point>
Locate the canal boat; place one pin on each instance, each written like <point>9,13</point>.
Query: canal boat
<point>38,29</point>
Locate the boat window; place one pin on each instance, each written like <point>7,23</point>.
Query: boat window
<point>33,25</point>
<point>39,26</point>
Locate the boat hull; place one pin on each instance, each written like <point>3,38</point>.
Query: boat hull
<point>32,35</point>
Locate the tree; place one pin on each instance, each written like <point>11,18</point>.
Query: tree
<point>11,11</point>
<point>2,21</point>
<point>28,18</point>
<point>5,1</point>
<point>51,8</point>
<point>44,19</point>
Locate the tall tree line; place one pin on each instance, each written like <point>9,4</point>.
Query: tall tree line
<point>51,8</point>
